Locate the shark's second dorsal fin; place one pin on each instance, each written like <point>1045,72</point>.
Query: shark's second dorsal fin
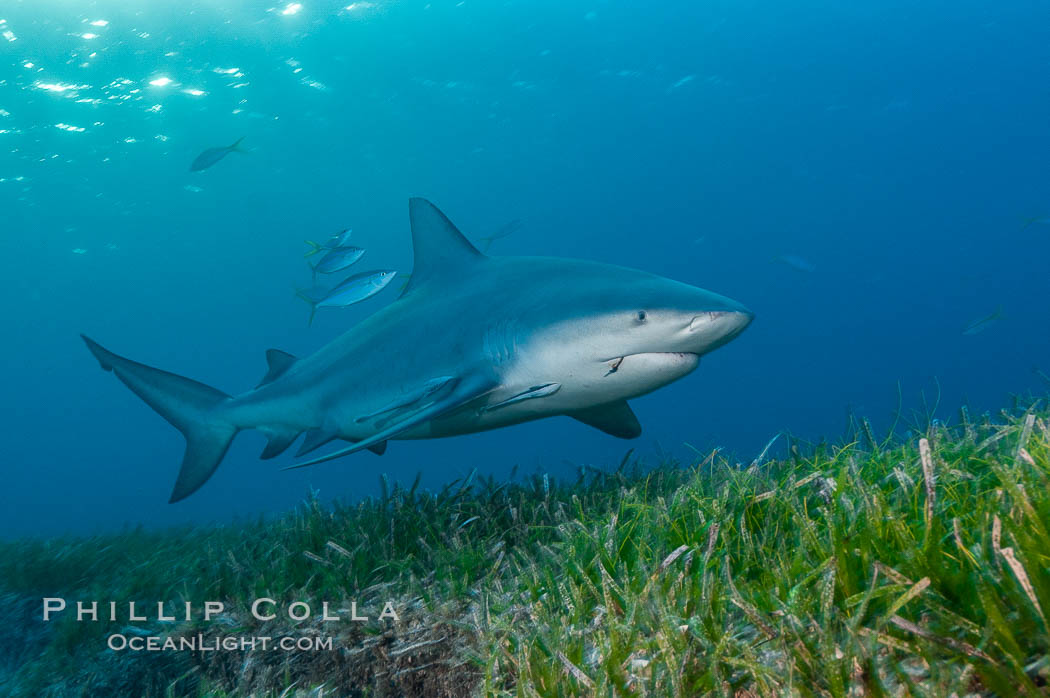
<point>277,362</point>
<point>440,251</point>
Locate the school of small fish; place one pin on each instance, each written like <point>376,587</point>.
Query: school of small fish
<point>336,255</point>
<point>336,252</point>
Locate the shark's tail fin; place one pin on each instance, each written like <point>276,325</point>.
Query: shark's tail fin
<point>238,148</point>
<point>188,405</point>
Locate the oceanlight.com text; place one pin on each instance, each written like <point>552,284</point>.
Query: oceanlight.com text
<point>119,642</point>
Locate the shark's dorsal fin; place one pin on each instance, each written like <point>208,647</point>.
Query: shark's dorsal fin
<point>614,418</point>
<point>440,251</point>
<point>277,362</point>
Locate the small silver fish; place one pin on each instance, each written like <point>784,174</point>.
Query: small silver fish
<point>338,259</point>
<point>212,155</point>
<point>981,324</point>
<point>355,289</point>
<point>338,240</point>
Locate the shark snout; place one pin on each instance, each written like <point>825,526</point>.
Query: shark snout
<point>714,328</point>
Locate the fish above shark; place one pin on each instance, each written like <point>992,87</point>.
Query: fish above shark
<point>212,155</point>
<point>473,343</point>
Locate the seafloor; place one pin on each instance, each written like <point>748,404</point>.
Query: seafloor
<point>910,566</point>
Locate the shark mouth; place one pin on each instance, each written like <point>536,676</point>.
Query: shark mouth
<point>666,358</point>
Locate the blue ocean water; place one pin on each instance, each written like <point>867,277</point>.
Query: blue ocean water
<point>860,175</point>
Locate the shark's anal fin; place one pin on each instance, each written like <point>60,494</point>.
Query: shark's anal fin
<point>278,362</point>
<point>456,394</point>
<point>614,418</point>
<point>315,438</point>
<point>278,441</point>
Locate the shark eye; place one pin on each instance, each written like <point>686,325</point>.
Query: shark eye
<point>642,315</point>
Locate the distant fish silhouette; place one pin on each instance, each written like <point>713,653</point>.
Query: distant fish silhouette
<point>508,229</point>
<point>797,263</point>
<point>212,155</point>
<point>981,324</point>
<point>1042,220</point>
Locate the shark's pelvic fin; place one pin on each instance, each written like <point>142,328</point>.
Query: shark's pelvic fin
<point>278,362</point>
<point>461,392</point>
<point>379,448</point>
<point>614,418</point>
<point>440,251</point>
<point>191,407</point>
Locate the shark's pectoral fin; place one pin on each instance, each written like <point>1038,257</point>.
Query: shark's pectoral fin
<point>457,393</point>
<point>279,441</point>
<point>379,448</point>
<point>614,418</point>
<point>278,362</point>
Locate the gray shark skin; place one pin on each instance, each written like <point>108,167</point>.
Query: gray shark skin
<point>473,343</point>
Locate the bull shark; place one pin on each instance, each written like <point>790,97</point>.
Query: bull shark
<point>473,343</point>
